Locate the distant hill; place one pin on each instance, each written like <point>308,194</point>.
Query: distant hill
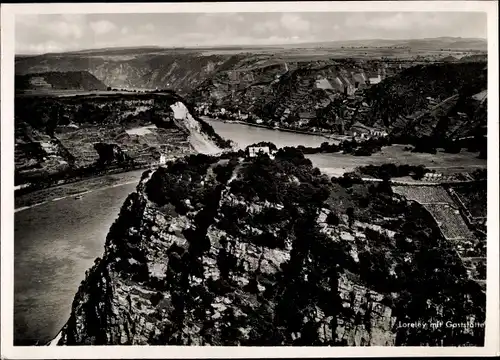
<point>449,59</point>
<point>183,69</point>
<point>471,44</point>
<point>452,43</point>
<point>474,58</point>
<point>326,86</point>
<point>421,100</point>
<point>133,68</point>
<point>68,80</point>
<point>427,100</point>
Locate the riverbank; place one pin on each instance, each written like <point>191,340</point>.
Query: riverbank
<point>74,188</point>
<point>59,179</point>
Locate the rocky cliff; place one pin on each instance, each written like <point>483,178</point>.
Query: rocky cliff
<point>213,251</point>
<point>174,70</point>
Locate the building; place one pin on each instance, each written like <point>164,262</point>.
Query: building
<point>359,80</point>
<point>375,79</point>
<point>343,85</point>
<point>432,176</point>
<point>377,132</point>
<point>254,151</point>
<point>357,129</point>
<point>163,159</point>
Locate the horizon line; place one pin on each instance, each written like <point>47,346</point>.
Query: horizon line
<point>242,45</point>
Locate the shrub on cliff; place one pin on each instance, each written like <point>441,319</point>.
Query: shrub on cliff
<point>156,298</point>
<point>180,182</point>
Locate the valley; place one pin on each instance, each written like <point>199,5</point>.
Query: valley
<point>316,194</point>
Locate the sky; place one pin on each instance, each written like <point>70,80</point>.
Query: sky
<point>36,34</point>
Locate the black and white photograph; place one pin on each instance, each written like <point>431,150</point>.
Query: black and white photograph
<point>221,176</point>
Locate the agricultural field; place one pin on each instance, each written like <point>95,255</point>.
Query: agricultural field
<point>471,247</point>
<point>424,194</point>
<point>336,164</point>
<point>450,221</point>
<point>141,147</point>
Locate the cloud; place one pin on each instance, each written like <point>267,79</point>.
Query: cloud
<point>48,32</point>
<point>294,23</point>
<point>147,28</point>
<point>28,20</point>
<point>40,48</point>
<point>64,29</point>
<point>102,27</point>
<point>265,27</point>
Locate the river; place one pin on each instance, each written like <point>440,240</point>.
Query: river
<point>244,135</point>
<point>55,243</point>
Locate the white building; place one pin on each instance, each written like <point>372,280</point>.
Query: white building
<point>254,151</point>
<point>375,79</point>
<point>163,159</point>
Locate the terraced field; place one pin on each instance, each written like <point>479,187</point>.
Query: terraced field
<point>446,212</point>
<point>473,198</point>
<point>424,194</point>
<point>139,147</point>
<point>450,221</point>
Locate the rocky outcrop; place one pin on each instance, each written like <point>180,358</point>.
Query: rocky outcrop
<point>198,257</point>
<point>133,70</point>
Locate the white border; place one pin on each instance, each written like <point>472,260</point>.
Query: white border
<point>106,352</point>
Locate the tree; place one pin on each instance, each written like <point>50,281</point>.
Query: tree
<point>350,214</point>
<point>332,219</point>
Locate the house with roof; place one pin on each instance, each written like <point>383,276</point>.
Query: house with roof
<point>358,129</point>
<point>359,80</point>
<point>254,151</point>
<point>374,78</point>
<point>343,85</point>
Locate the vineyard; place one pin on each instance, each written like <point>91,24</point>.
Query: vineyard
<point>445,208</point>
<point>450,221</point>
<point>424,194</point>
<point>473,198</point>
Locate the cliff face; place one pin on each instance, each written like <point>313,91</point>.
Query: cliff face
<point>132,70</point>
<point>210,251</point>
